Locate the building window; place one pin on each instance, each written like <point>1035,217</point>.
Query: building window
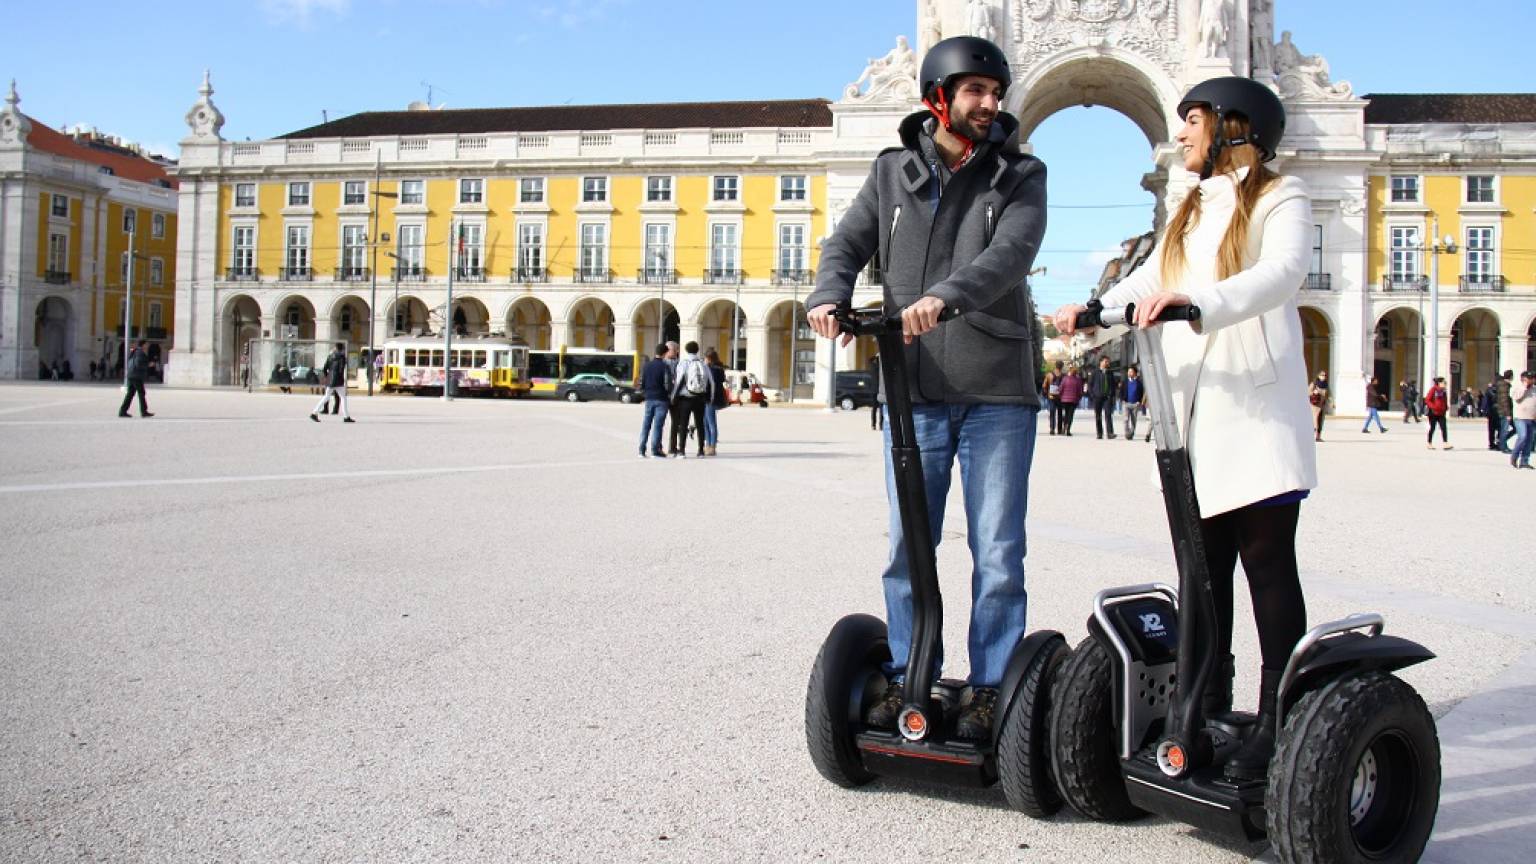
<point>471,191</point>
<point>296,253</point>
<point>594,189</point>
<point>792,250</point>
<point>346,319</point>
<point>157,226</point>
<point>58,253</point>
<point>1406,249</point>
<point>156,271</point>
<point>130,220</point>
<point>1480,253</point>
<point>413,192</point>
<point>243,262</point>
<point>471,249</point>
<point>792,187</point>
<point>60,206</point>
<point>530,190</point>
<point>156,316</point>
<point>1480,189</point>
<point>1405,188</point>
<point>594,249</point>
<point>658,250</point>
<point>727,188</point>
<point>354,192</point>
<point>1317,249</point>
<point>724,256</point>
<point>530,251</point>
<point>354,251</point>
<point>658,188</point>
<point>412,249</point>
<point>298,194</point>
<point>245,194</point>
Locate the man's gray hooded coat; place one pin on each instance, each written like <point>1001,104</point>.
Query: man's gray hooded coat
<point>968,239</point>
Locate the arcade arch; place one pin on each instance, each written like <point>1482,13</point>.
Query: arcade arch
<point>590,325</point>
<point>1474,349</point>
<point>791,350</point>
<point>721,322</point>
<point>295,318</point>
<point>1316,341</point>
<point>408,315</point>
<point>54,331</point>
<point>349,321</point>
<point>239,323</point>
<point>528,317</point>
<point>644,320</point>
<point>1398,347</point>
<point>470,317</point>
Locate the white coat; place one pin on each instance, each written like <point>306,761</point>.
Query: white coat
<point>1239,379</point>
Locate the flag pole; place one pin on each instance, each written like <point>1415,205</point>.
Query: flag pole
<point>453,240</point>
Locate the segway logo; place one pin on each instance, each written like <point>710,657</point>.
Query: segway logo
<point>1151,624</point>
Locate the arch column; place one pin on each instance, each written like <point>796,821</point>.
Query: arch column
<point>757,351</point>
<point>1512,353</point>
<point>624,336</point>
<point>560,333</point>
<point>691,331</point>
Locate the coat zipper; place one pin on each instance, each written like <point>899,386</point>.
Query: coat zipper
<point>890,243</point>
<point>989,226</point>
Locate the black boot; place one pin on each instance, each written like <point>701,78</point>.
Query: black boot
<point>1251,761</point>
<point>1217,699</point>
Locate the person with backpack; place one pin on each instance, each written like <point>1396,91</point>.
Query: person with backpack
<point>692,388</point>
<point>138,370</point>
<point>335,383</point>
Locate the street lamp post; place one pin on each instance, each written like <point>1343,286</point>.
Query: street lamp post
<point>133,258</point>
<point>1435,248</point>
<point>373,274</point>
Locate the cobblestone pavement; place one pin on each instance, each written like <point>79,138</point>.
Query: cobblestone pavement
<point>487,631</point>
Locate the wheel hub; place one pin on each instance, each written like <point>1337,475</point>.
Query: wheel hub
<point>1362,791</point>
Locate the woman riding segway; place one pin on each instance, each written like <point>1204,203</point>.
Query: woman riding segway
<point>1236,251</point>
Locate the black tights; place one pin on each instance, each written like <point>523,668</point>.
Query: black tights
<point>1265,538</point>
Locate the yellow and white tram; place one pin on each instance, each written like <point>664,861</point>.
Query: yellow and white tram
<point>492,365</point>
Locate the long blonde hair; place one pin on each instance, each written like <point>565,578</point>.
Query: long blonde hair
<point>1249,190</point>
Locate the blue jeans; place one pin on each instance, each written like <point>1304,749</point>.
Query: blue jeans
<point>711,426</point>
<point>1502,441</point>
<point>1525,441</point>
<point>995,445</point>
<point>1372,414</point>
<point>650,424</point>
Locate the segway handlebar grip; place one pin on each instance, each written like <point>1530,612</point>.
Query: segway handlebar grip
<point>1111,316</point>
<point>873,322</point>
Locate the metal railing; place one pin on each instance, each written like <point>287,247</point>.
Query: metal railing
<point>56,277</point>
<point>352,274</point>
<point>1405,283</point>
<point>592,275</point>
<point>872,274</point>
<point>242,274</point>
<point>1319,282</point>
<point>296,274</point>
<point>1485,283</point>
<point>656,276</point>
<point>530,273</point>
<point>410,274</point>
<point>722,276</point>
<point>469,274</point>
<point>791,277</point>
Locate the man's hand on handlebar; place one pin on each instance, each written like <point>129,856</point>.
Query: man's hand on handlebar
<point>920,317</point>
<point>1066,318</point>
<point>823,322</point>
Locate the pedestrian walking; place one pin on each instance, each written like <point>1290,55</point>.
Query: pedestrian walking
<point>1408,391</point>
<point>1506,408</point>
<point>1488,406</point>
<point>1133,392</point>
<point>1052,387</point>
<point>1103,384</point>
<point>1072,390</point>
<point>1317,395</point>
<point>1374,399</point>
<point>876,408</point>
<point>656,389</point>
<point>955,216</point>
<point>692,388</point>
<point>715,404</point>
<point>138,371</point>
<point>1247,232</point>
<point>1436,406</point>
<point>1523,401</point>
<point>335,383</point>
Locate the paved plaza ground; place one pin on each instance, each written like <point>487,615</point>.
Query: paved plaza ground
<point>487,631</point>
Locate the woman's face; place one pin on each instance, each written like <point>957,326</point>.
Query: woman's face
<point>1195,138</point>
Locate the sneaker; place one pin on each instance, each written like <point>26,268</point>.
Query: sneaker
<point>146,414</point>
<point>642,454</point>
<point>658,454</point>
<point>1446,447</point>
<point>124,414</point>
<point>975,721</point>
<point>349,420</point>
<point>883,713</point>
<point>314,418</point>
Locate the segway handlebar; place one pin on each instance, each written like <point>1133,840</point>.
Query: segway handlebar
<point>874,322</point>
<point>1109,316</point>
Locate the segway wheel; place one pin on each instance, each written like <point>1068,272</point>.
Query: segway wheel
<point>1083,736</point>
<point>1356,774</point>
<point>844,680</point>
<point>1023,751</point>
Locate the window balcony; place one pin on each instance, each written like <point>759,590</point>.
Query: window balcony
<point>469,274</point>
<point>410,274</point>
<point>1485,283</point>
<point>56,277</point>
<point>296,274</point>
<point>595,275</point>
<point>529,273</point>
<point>791,277</point>
<point>242,274</point>
<point>1405,283</point>
<point>656,276</point>
<point>722,276</point>
<point>1319,282</point>
<point>352,274</point>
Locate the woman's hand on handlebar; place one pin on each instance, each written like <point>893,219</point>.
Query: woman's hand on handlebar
<point>1148,308</point>
<point>824,324</point>
<point>1066,318</point>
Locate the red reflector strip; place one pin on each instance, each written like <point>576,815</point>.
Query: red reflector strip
<point>917,754</point>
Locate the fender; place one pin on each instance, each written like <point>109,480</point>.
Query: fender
<point>1351,652</point>
<point>1024,654</point>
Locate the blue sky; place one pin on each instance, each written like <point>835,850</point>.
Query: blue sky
<point>133,70</point>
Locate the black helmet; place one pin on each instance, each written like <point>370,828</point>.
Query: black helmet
<point>962,55</point>
<point>1244,97</point>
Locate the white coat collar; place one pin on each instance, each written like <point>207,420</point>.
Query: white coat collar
<point>1222,186</point>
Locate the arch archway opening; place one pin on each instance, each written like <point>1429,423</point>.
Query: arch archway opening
<point>791,350</point>
<point>1474,349</point>
<point>470,317</point>
<point>409,316</point>
<point>722,326</point>
<point>647,313</point>
<point>590,325</point>
<point>529,319</point>
<point>241,323</point>
<point>54,337</point>
<point>1398,348</point>
<point>1317,342</point>
<point>349,321</point>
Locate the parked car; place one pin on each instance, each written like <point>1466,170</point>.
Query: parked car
<point>856,390</point>
<point>590,386</point>
<point>743,388</point>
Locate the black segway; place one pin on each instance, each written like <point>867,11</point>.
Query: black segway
<point>1356,772</point>
<point>847,677</point>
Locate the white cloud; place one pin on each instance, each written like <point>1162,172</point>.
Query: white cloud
<point>301,12</point>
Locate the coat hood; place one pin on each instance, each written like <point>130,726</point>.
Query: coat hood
<point>1004,132</point>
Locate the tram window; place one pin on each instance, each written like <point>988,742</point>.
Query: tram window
<point>480,359</point>
<point>437,356</point>
<point>410,357</point>
<point>501,359</point>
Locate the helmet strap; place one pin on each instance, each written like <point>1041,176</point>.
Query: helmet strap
<point>938,106</point>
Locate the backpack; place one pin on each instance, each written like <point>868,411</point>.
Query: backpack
<point>696,379</point>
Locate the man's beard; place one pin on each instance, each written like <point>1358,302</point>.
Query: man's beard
<point>965,127</point>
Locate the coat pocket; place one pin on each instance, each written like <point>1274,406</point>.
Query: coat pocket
<point>989,357</point>
<point>1255,344</point>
